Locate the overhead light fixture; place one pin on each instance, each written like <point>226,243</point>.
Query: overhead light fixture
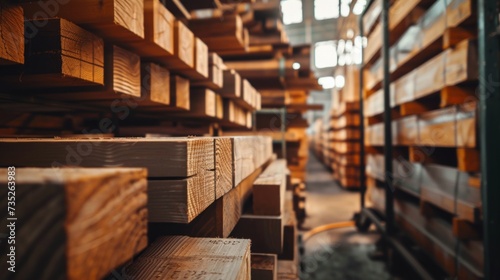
<point>327,82</point>
<point>296,66</point>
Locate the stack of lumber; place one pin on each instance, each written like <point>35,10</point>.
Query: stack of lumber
<point>143,59</point>
<point>59,219</point>
<point>195,186</point>
<point>433,75</point>
<point>269,219</point>
<point>343,143</point>
<point>317,140</point>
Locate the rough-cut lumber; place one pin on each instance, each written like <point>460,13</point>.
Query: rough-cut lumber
<point>122,72</point>
<point>219,219</point>
<point>215,72</point>
<point>461,12</point>
<point>180,200</point>
<point>115,20</point>
<point>12,34</point>
<point>202,102</point>
<point>155,85</point>
<point>175,157</point>
<point>60,54</point>
<point>232,84</point>
<point>75,215</point>
<point>184,257</point>
<point>264,266</point>
<point>201,57</point>
<point>158,31</point>
<point>266,232</point>
<point>224,165</point>
<point>269,190</point>
<point>461,63</point>
<point>220,34</point>
<point>179,92</point>
<point>184,44</point>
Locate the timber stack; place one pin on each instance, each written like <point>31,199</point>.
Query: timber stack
<point>433,74</point>
<point>159,82</point>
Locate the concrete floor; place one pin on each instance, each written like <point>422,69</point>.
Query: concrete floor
<point>340,253</point>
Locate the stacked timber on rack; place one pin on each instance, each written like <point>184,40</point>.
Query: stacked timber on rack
<point>317,140</point>
<point>343,144</point>
<point>144,60</point>
<point>433,75</point>
<point>195,186</point>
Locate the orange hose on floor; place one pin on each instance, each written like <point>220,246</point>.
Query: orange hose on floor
<point>322,228</point>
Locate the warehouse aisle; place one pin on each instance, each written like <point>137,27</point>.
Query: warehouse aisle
<point>341,253</point>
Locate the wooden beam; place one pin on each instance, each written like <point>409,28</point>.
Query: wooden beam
<point>12,34</point>
<point>184,46</point>
<point>75,215</point>
<point>115,21</point>
<point>179,92</point>
<point>155,85</point>
<point>468,160</point>
<point>232,85</point>
<point>188,258</point>
<point>264,266</point>
<point>61,54</point>
<point>269,190</point>
<point>266,232</point>
<point>465,230</point>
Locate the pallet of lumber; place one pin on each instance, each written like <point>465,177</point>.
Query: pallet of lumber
<point>75,215</point>
<point>12,32</point>
<point>186,257</point>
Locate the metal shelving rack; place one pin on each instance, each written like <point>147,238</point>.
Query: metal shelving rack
<point>489,134</point>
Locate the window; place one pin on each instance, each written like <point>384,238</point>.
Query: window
<point>327,82</point>
<point>292,11</point>
<point>325,54</point>
<point>325,9</point>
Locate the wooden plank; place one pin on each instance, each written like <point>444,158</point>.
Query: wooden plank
<point>461,12</point>
<point>184,46</point>
<point>180,200</point>
<point>115,20</point>
<point>232,84</point>
<point>179,92</point>
<point>155,84</point>
<point>12,34</point>
<point>290,232</point>
<point>266,232</point>
<point>464,230</point>
<point>269,190</point>
<point>224,165</point>
<point>430,77</point>
<point>201,57</point>
<point>220,34</point>
<point>83,217</point>
<point>175,157</point>
<point>264,266</point>
<point>60,54</point>
<point>461,63</point>
<point>202,103</point>
<point>191,258</point>
<point>454,35</point>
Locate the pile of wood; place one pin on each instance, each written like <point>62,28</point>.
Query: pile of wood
<point>144,59</point>
<point>433,74</point>
<point>194,186</point>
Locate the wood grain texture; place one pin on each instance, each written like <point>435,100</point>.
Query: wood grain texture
<point>180,200</point>
<point>78,217</point>
<point>184,44</point>
<point>266,232</point>
<point>155,84</point>
<point>264,266</point>
<point>59,54</point>
<point>123,71</point>
<point>190,258</point>
<point>224,164</point>
<point>159,25</point>
<point>202,102</point>
<point>461,63</point>
<point>12,34</point>
<point>269,190</point>
<point>163,157</point>
<point>117,20</point>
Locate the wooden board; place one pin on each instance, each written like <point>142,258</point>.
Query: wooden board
<point>290,232</point>
<point>218,220</point>
<point>155,84</point>
<point>179,92</point>
<point>201,57</point>
<point>122,72</point>
<point>60,54</point>
<point>224,165</point>
<point>266,232</point>
<point>264,266</point>
<point>220,34</point>
<point>269,190</point>
<point>461,63</point>
<point>75,215</point>
<point>176,157</point>
<point>12,34</point>
<point>115,20</point>
<point>184,44</point>
<point>232,84</point>
<point>190,258</point>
